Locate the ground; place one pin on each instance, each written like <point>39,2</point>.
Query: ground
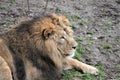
<point>96,24</point>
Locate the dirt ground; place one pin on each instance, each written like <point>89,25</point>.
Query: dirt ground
<point>96,23</point>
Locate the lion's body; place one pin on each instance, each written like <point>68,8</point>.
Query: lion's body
<point>33,49</point>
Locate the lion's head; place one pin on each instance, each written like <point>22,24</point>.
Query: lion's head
<point>55,36</point>
<point>64,36</point>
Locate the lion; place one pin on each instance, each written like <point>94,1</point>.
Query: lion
<point>40,49</point>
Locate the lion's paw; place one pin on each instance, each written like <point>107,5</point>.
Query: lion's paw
<point>91,70</point>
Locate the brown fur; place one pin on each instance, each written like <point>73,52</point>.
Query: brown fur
<point>4,69</point>
<point>39,49</point>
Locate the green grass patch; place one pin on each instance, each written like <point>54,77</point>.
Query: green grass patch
<point>118,24</point>
<point>118,39</point>
<point>79,38</point>
<point>101,75</point>
<point>82,22</point>
<point>73,26</point>
<point>109,52</point>
<point>58,9</point>
<point>13,1</point>
<point>118,66</point>
<point>81,49</point>
<point>118,79</point>
<point>67,16</point>
<point>110,23</point>
<point>107,46</point>
<point>78,56</point>
<point>75,17</point>
<point>89,33</point>
<point>99,24</point>
<point>90,42</point>
<point>71,74</point>
<point>1,7</point>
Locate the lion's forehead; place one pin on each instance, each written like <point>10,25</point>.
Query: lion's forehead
<point>62,32</point>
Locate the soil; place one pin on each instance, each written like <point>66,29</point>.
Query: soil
<point>97,22</point>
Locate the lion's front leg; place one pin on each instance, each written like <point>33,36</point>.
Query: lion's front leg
<point>73,63</point>
<point>5,72</point>
<point>6,63</point>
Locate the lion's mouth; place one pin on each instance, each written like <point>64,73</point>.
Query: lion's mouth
<point>72,54</point>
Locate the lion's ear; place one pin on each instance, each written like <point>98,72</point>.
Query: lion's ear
<point>55,16</point>
<point>48,32</point>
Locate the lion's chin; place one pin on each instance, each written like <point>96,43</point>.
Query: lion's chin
<point>72,54</point>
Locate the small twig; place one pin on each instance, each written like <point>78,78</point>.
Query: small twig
<point>46,5</point>
<point>28,8</point>
<point>28,5</point>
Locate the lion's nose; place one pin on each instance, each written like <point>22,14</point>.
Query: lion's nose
<point>74,47</point>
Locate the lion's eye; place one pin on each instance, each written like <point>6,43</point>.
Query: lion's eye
<point>62,38</point>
